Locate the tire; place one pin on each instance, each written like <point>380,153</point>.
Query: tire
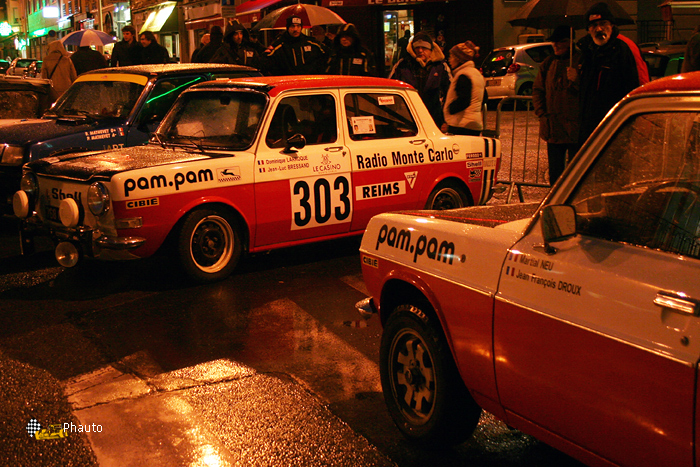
<point>209,245</point>
<point>447,195</point>
<point>423,391</point>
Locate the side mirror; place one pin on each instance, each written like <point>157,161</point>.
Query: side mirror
<point>558,223</point>
<point>294,142</point>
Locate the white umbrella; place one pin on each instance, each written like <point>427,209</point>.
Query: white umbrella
<point>88,37</point>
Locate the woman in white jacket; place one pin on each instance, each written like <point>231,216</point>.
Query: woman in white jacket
<point>465,97</point>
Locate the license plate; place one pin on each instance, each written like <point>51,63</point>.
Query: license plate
<point>493,82</point>
<point>51,213</point>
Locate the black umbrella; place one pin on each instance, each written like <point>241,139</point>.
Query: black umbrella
<point>541,14</point>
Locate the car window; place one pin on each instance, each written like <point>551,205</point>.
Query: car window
<point>312,116</point>
<point>538,54</point>
<point>163,95</point>
<point>497,62</point>
<point>378,116</point>
<point>98,99</point>
<point>226,120</point>
<point>644,188</point>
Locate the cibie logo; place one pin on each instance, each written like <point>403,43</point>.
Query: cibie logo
<point>56,431</point>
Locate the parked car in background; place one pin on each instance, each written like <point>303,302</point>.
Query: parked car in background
<point>577,320</point>
<point>511,71</point>
<point>23,97</point>
<point>19,65</point>
<point>651,46</point>
<point>4,65</point>
<point>107,108</point>
<point>255,164</point>
<point>664,60</point>
<point>33,70</point>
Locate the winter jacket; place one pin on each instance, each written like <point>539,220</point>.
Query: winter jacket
<point>154,54</point>
<point>58,68</point>
<point>86,59</point>
<point>207,52</point>
<point>355,60</point>
<point>431,79</point>
<point>125,54</point>
<point>607,74</point>
<point>236,54</point>
<point>295,56</point>
<point>465,98</point>
<point>556,100</point>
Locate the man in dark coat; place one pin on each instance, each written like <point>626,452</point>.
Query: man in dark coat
<point>236,48</point>
<point>349,57</point>
<point>608,69</point>
<point>216,38</point>
<point>152,52</point>
<point>295,53</point>
<point>128,50</point>
<point>85,59</point>
<point>425,69</point>
<point>202,42</point>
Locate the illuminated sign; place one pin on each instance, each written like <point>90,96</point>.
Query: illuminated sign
<point>50,12</point>
<point>39,32</point>
<point>5,29</point>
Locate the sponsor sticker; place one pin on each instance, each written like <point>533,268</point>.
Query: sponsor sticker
<point>142,203</point>
<point>228,174</point>
<point>380,190</point>
<point>411,178</point>
<point>369,261</point>
<point>385,100</point>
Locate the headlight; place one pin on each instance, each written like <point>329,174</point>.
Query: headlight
<point>12,155</point>
<point>98,198</point>
<point>29,185</point>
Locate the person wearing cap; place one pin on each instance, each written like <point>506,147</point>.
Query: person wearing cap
<point>349,57</point>
<point>236,48</point>
<point>556,102</point>
<point>608,69</point>
<point>295,53</point>
<point>463,107</point>
<point>425,69</point>
<point>206,53</point>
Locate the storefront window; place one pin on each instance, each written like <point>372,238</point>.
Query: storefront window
<point>396,23</point>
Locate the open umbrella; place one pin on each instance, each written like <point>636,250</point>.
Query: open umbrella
<point>88,37</point>
<point>311,15</point>
<point>541,14</point>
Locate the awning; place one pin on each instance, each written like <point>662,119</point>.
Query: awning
<point>158,17</point>
<point>381,3</point>
<point>205,23</point>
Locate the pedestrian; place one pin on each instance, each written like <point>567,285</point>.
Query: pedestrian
<point>58,68</point>
<point>202,42</point>
<point>349,57</point>
<point>425,69</point>
<point>152,52</point>
<point>216,38</point>
<point>463,109</point>
<point>128,50</point>
<point>401,46</point>
<point>255,42</point>
<point>294,53</point>
<point>556,102</point>
<point>236,48</point>
<point>318,33</point>
<point>86,59</point>
<point>607,71</point>
<point>691,58</point>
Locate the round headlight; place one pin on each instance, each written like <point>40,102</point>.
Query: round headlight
<point>98,198</point>
<point>29,184</point>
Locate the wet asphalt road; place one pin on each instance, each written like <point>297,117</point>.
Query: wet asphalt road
<point>270,367</point>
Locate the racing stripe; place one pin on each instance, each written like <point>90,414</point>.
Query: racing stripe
<point>487,175</point>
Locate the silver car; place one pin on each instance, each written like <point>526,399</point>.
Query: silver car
<point>19,66</point>
<point>511,71</point>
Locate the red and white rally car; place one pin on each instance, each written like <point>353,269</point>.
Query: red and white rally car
<point>255,164</point>
<point>576,321</point>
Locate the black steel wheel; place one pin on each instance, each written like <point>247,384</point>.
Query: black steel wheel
<point>447,195</point>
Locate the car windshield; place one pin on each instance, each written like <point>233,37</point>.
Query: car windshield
<point>98,99</point>
<point>497,62</point>
<point>214,119</point>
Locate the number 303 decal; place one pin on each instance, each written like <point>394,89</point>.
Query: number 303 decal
<point>318,201</point>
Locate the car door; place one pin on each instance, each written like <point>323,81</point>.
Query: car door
<point>302,192</point>
<point>597,340</point>
<point>388,148</point>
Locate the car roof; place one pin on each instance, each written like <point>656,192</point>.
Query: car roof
<point>685,82</point>
<point>8,82</point>
<point>523,46</point>
<point>172,69</point>
<point>274,85</point>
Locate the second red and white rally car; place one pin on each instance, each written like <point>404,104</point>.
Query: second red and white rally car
<point>255,164</point>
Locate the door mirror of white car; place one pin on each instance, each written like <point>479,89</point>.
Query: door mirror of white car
<point>558,223</point>
<point>295,142</point>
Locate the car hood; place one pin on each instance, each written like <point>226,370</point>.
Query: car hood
<point>487,216</point>
<point>84,166</point>
<point>31,131</point>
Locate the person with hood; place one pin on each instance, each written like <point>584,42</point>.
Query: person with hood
<point>608,69</point>
<point>425,69</point>
<point>349,57</point>
<point>463,108</point>
<point>236,48</point>
<point>202,42</point>
<point>294,53</point>
<point>59,68</point>
<point>85,59</point>
<point>128,50</point>
<point>152,52</point>
<point>556,102</point>
<point>206,53</point>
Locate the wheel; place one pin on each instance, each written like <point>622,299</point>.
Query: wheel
<point>423,391</point>
<point>209,245</point>
<point>447,196</point>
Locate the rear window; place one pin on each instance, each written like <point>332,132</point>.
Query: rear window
<point>23,63</point>
<point>497,62</point>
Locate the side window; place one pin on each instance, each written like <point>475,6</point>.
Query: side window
<point>644,188</point>
<point>538,54</point>
<point>378,116</point>
<point>163,95</point>
<point>312,116</point>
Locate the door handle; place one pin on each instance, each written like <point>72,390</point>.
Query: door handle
<point>333,148</point>
<point>417,141</point>
<point>677,302</point>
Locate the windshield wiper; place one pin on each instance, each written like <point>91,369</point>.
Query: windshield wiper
<point>156,136</point>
